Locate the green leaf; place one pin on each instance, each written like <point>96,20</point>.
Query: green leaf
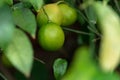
<point>59,67</point>
<point>20,53</point>
<point>6,26</point>
<point>25,19</point>
<point>10,2</point>
<point>21,5</point>
<point>91,15</point>
<point>37,4</point>
<point>1,3</point>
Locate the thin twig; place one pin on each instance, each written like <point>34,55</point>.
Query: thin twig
<point>96,32</point>
<point>4,70</point>
<point>39,60</point>
<point>3,76</point>
<point>94,40</point>
<point>77,31</point>
<point>93,28</point>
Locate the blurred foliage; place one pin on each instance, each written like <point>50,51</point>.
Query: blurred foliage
<point>83,67</point>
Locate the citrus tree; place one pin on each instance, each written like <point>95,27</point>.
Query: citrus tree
<point>59,39</point>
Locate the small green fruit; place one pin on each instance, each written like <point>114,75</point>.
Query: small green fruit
<point>51,37</point>
<point>49,12</point>
<point>69,14</point>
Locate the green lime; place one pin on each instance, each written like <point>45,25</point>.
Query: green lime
<point>51,37</point>
<point>69,14</point>
<point>49,12</point>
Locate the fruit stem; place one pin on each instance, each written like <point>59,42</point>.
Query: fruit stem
<point>46,14</point>
<point>39,60</point>
<point>59,2</point>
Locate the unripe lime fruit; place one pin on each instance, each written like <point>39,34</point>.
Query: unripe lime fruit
<point>51,37</point>
<point>5,61</point>
<point>49,12</point>
<point>69,14</point>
